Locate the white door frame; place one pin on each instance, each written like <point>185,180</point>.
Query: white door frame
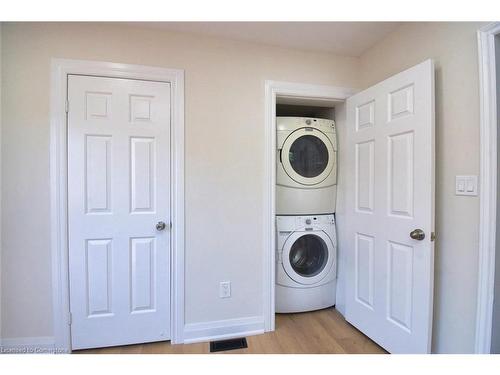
<point>60,69</point>
<point>274,89</point>
<point>488,185</point>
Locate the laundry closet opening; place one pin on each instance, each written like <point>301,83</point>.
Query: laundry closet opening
<point>308,191</point>
<point>347,212</point>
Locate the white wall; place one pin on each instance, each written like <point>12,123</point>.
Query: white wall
<point>340,209</point>
<point>495,336</point>
<point>453,46</point>
<point>224,157</point>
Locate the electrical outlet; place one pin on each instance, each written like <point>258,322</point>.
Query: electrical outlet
<point>225,289</point>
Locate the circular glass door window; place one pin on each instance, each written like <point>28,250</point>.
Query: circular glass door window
<point>308,156</point>
<point>308,255</point>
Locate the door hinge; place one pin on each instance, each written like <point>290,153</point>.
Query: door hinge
<point>433,236</point>
<point>279,257</point>
<point>170,225</point>
<point>70,319</point>
<point>66,106</point>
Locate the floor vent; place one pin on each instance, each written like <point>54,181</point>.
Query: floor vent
<point>223,345</point>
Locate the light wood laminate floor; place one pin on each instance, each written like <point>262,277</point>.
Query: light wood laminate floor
<point>324,331</point>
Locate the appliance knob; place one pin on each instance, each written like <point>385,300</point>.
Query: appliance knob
<point>308,221</point>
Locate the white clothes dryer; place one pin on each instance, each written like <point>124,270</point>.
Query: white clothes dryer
<point>306,263</point>
<point>306,175</point>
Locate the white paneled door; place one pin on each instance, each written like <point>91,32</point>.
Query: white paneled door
<point>119,210</point>
<point>390,210</point>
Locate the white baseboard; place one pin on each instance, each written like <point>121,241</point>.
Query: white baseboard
<point>194,332</point>
<point>28,345</point>
<point>223,329</point>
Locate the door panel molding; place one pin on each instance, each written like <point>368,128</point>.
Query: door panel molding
<point>60,69</point>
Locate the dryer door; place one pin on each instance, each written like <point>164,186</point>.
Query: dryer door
<point>308,156</point>
<point>308,256</point>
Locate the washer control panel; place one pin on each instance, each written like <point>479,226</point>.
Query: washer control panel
<point>287,224</point>
<point>311,221</point>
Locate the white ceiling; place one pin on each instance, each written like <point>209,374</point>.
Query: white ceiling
<point>343,38</point>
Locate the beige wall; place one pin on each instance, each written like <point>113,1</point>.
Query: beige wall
<point>453,47</point>
<point>224,157</point>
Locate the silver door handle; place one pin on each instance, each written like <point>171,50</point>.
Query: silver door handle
<point>417,234</point>
<point>160,225</point>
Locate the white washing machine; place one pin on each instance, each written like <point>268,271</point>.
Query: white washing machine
<point>306,263</point>
<point>306,175</point>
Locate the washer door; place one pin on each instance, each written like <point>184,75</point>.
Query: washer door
<point>307,256</point>
<point>308,156</point>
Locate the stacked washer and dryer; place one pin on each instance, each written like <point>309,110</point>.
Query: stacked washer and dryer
<point>306,189</point>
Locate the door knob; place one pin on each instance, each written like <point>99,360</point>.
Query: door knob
<point>417,234</point>
<point>160,225</point>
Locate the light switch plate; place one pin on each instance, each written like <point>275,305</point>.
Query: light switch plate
<point>466,185</point>
<point>225,289</point>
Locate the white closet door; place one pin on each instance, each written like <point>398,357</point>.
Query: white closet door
<point>390,166</point>
<point>118,190</point>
